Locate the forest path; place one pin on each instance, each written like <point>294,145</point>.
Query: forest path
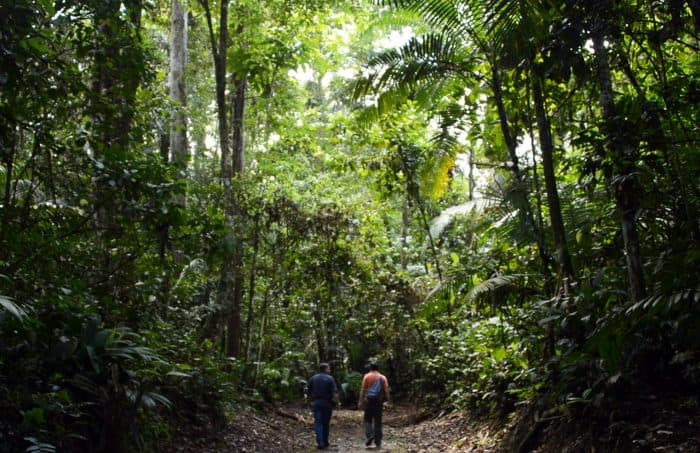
<point>347,432</point>
<point>289,429</point>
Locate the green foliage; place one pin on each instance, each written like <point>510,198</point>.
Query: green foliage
<point>477,363</point>
<point>200,390</point>
<point>92,386</point>
<point>340,260</point>
<point>283,379</point>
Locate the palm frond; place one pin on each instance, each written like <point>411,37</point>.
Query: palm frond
<point>393,20</point>
<point>26,189</point>
<point>12,308</point>
<point>420,70</point>
<point>443,14</point>
<point>439,223</point>
<point>423,58</point>
<point>501,283</point>
<point>492,22</point>
<point>367,116</point>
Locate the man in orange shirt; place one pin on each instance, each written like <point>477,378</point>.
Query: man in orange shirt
<point>373,393</point>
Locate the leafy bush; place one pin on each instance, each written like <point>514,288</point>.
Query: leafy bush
<point>350,388</point>
<point>91,386</point>
<point>479,363</point>
<point>282,379</point>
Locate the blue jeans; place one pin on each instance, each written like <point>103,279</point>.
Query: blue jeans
<point>373,416</point>
<point>322,409</point>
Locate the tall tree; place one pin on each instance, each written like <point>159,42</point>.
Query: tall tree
<point>603,30</point>
<point>228,298</point>
<point>117,71</point>
<point>625,155</point>
<point>177,84</point>
<point>240,85</point>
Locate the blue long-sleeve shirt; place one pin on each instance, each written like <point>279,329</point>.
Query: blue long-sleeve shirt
<point>322,387</point>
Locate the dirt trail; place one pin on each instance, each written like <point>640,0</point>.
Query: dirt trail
<point>407,429</point>
<point>289,429</point>
<point>347,433</point>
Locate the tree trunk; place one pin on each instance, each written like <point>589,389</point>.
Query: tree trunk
<point>511,144</point>
<point>115,79</point>
<point>521,189</point>
<point>624,156</point>
<point>251,290</point>
<point>566,269</point>
<point>319,329</point>
<point>177,85</point>
<point>8,157</point>
<point>235,216</point>
<point>404,234</point>
<point>472,181</point>
<point>227,281</point>
<point>535,175</point>
<point>261,335</point>
<point>433,248</point>
<point>238,125</point>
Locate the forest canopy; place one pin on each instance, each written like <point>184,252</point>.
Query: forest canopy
<point>201,200</point>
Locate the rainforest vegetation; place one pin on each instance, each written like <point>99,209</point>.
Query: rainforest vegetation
<point>200,200</point>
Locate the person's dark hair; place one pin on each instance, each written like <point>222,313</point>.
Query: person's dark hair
<point>324,367</point>
<point>374,366</point>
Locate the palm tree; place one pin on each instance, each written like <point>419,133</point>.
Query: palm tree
<point>431,64</point>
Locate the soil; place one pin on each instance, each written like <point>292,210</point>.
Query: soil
<point>651,424</point>
<point>407,429</point>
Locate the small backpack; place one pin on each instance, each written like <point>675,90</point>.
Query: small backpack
<point>375,391</point>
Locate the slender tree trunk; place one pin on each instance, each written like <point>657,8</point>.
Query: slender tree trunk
<point>521,190</point>
<point>230,283</point>
<point>173,146</point>
<point>238,120</point>
<point>115,81</point>
<point>472,182</point>
<point>547,146</point>
<point>232,211</point>
<point>251,289</point>
<point>261,335</point>
<point>8,157</point>
<point>433,249</point>
<point>624,156</point>
<point>535,175</point>
<point>496,86</point>
<point>404,234</point>
<point>694,7</point>
<point>319,328</point>
<point>177,85</point>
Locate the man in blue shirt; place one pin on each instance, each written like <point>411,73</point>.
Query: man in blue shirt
<point>324,395</point>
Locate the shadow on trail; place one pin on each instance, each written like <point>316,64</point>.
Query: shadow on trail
<point>289,429</point>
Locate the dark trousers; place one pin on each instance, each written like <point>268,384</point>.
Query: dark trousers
<point>373,421</point>
<point>322,409</point>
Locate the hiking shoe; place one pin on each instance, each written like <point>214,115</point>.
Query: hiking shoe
<point>369,442</point>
